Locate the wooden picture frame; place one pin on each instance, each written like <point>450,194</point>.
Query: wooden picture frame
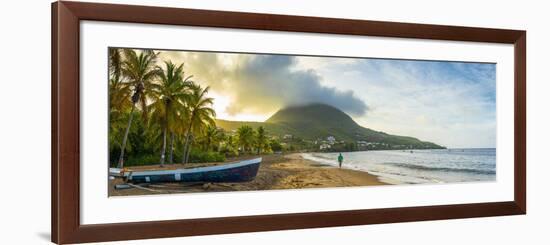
<point>65,169</point>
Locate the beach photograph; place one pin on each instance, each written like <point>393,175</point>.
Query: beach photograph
<point>184,121</point>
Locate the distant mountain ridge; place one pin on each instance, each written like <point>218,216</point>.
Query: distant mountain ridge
<point>318,121</point>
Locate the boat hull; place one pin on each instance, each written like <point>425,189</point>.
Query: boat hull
<point>236,172</point>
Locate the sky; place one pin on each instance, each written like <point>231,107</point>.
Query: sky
<point>448,103</point>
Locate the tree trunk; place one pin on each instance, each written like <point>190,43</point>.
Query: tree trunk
<point>185,145</point>
<point>121,157</point>
<point>171,154</point>
<point>188,151</point>
<point>163,151</point>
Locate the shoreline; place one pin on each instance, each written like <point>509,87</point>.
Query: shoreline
<point>277,172</point>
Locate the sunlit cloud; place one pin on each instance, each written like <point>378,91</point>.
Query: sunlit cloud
<point>262,84</point>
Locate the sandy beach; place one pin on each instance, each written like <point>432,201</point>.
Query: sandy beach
<point>276,172</point>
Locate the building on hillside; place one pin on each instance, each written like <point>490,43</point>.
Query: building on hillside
<point>331,140</point>
<point>324,146</point>
<point>362,145</point>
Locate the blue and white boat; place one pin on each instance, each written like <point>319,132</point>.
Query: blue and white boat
<point>234,172</point>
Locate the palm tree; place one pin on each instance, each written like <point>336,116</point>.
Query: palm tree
<point>200,114</point>
<point>119,98</point>
<point>231,144</point>
<point>261,139</point>
<point>168,98</point>
<point>220,139</point>
<point>246,137</point>
<point>119,91</point>
<point>212,136</point>
<point>119,105</point>
<point>178,130</point>
<point>115,63</point>
<point>140,71</point>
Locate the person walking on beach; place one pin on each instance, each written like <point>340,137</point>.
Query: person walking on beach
<point>340,160</point>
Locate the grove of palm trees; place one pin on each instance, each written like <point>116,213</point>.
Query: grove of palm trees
<point>159,115</point>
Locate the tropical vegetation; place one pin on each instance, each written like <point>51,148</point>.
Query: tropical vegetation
<point>158,114</point>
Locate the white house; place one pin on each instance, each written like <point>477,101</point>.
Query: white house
<point>324,146</point>
<point>331,140</point>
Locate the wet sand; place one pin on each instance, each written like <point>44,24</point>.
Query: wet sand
<point>276,172</point>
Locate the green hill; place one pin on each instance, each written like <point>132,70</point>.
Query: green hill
<point>318,121</point>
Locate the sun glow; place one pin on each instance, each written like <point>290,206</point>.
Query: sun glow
<point>220,106</point>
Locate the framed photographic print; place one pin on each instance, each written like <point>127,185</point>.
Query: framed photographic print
<point>177,122</point>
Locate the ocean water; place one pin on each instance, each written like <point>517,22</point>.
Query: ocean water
<point>418,166</point>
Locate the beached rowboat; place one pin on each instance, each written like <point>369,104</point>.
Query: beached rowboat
<point>235,172</point>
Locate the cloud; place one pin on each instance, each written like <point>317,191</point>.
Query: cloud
<point>270,78</point>
<point>265,83</point>
<point>449,103</point>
